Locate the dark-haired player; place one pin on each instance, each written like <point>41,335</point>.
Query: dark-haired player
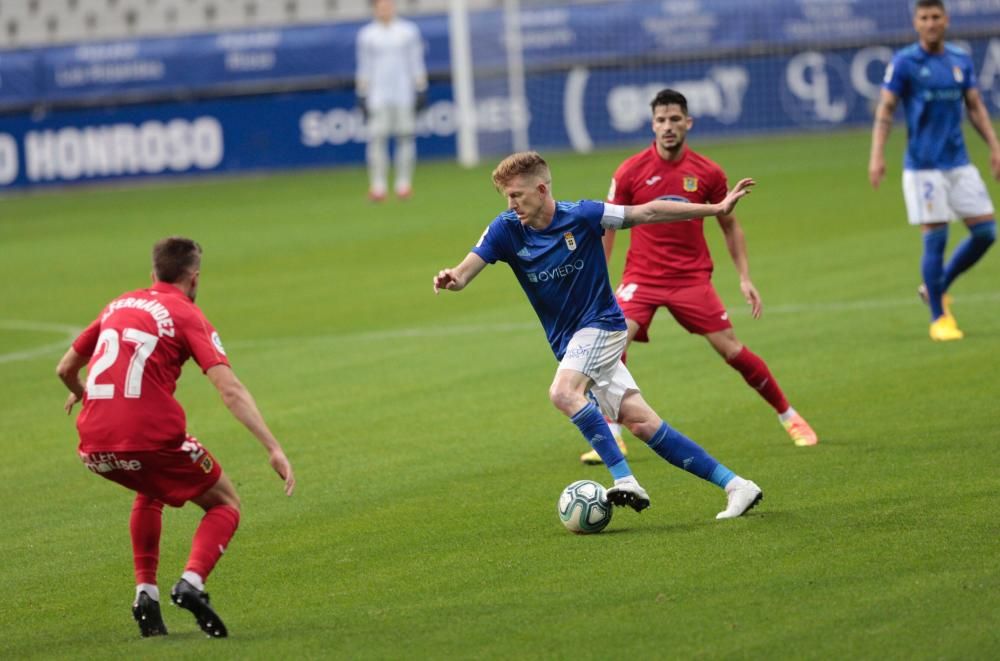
<point>935,80</point>
<point>670,266</point>
<point>133,432</point>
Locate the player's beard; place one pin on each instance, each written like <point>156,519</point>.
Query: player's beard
<point>673,149</point>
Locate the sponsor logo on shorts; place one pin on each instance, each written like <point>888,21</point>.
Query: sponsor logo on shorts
<point>105,462</point>
<point>194,449</point>
<point>578,351</point>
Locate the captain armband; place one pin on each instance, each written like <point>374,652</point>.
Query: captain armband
<point>614,216</point>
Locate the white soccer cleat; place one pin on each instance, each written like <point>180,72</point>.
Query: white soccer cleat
<point>628,493</point>
<point>741,500</point>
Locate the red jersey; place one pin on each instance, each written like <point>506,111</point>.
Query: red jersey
<point>137,346</point>
<point>668,253</point>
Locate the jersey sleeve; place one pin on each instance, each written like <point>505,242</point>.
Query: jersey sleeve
<point>416,54</point>
<point>718,186</point>
<point>969,80</point>
<point>492,245</point>
<point>599,216</point>
<point>86,341</point>
<point>362,72</point>
<point>895,76</point>
<point>204,342</point>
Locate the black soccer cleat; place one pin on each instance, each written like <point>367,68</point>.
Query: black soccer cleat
<point>146,612</point>
<point>190,598</point>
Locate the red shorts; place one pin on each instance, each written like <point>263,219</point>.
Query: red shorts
<point>171,475</point>
<point>697,308</point>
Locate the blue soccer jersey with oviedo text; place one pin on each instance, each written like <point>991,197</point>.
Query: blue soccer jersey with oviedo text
<point>561,268</point>
<point>932,89</point>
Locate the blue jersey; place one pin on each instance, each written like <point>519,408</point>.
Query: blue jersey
<point>562,269</point>
<point>932,88</point>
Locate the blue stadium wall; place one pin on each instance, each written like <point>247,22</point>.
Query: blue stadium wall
<point>76,114</point>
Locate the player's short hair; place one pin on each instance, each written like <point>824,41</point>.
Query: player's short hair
<point>175,257</point>
<point>522,163</point>
<point>928,4</point>
<point>669,97</point>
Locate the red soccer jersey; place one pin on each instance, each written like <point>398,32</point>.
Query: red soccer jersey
<point>137,347</point>
<point>668,253</point>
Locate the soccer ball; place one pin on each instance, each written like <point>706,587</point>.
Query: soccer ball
<point>584,508</point>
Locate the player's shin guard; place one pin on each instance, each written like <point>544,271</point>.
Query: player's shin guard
<point>210,540</point>
<point>757,375</point>
<point>594,428</point>
<point>981,237</point>
<point>145,525</point>
<point>684,453</point>
<point>932,268</point>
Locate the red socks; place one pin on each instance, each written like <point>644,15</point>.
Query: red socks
<point>145,525</point>
<point>214,532</point>
<point>759,377</point>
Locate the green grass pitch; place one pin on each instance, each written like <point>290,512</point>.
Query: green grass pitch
<point>429,459</point>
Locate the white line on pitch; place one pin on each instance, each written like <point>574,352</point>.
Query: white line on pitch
<point>467,329</point>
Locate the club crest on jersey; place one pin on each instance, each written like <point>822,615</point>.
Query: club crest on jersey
<point>690,184</point>
<point>957,72</point>
<point>570,241</point>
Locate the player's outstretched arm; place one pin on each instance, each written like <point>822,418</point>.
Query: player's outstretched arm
<point>241,404</point>
<point>880,133</point>
<point>455,279</point>
<point>665,211</point>
<point>68,372</point>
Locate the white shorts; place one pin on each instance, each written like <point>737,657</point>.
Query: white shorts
<point>598,354</point>
<point>941,196</point>
<point>392,120</point>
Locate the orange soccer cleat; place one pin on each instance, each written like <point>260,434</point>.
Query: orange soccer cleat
<point>800,431</point>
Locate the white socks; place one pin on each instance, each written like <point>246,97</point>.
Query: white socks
<point>787,415</point>
<point>148,588</point>
<point>196,582</point>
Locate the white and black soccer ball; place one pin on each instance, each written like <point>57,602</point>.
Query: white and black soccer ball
<point>584,508</point>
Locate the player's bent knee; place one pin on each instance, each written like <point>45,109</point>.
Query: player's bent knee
<point>221,493</point>
<point>565,400</point>
<point>984,233</point>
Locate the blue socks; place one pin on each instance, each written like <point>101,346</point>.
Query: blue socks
<point>932,268</point>
<point>938,277</point>
<point>981,237</point>
<point>592,425</point>
<point>684,453</point>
